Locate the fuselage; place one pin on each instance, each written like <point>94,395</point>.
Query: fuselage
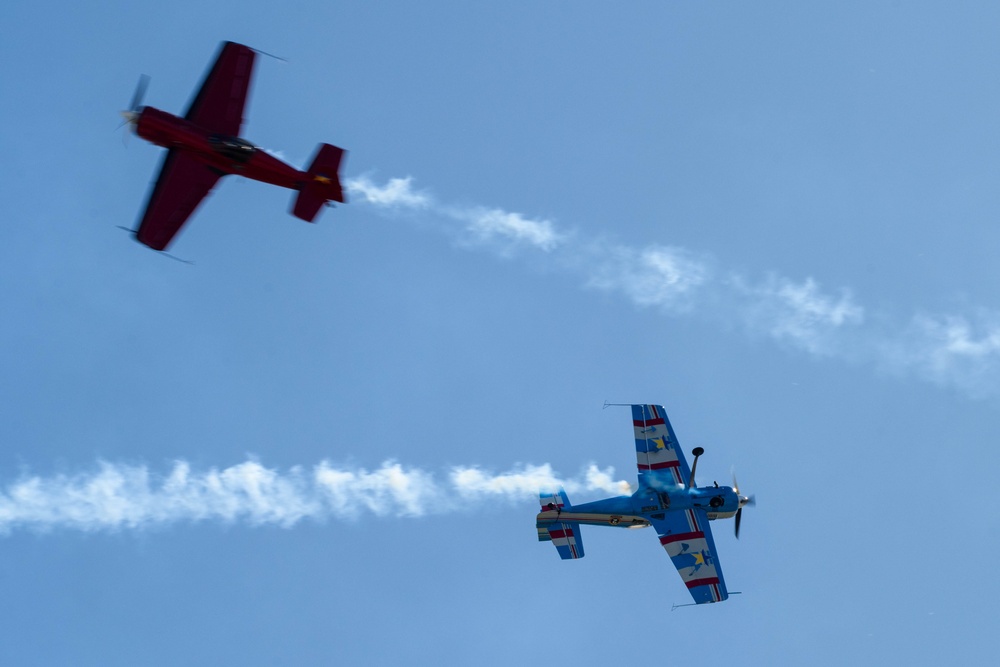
<point>224,154</point>
<point>646,504</point>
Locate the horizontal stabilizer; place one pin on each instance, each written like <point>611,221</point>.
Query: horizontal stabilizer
<point>565,535</point>
<point>566,538</point>
<point>322,183</point>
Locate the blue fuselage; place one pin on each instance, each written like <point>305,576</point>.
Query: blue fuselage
<point>637,510</point>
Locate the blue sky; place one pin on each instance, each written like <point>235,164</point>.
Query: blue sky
<point>318,443</point>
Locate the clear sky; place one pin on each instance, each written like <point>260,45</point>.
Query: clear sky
<point>319,443</point>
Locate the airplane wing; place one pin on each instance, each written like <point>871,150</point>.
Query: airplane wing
<point>687,539</point>
<point>218,105</point>
<point>182,184</point>
<point>658,454</point>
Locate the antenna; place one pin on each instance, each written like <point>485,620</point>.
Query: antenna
<point>133,232</point>
<point>695,604</point>
<point>620,405</point>
<point>176,258</point>
<point>270,55</point>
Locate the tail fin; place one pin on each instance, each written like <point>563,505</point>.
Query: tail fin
<point>565,535</point>
<point>322,183</point>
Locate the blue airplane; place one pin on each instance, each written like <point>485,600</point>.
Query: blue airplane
<point>667,499</point>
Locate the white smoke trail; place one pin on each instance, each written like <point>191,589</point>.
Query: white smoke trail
<point>119,496</point>
<point>947,349</point>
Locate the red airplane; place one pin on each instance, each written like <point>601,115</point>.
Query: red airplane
<point>205,145</point>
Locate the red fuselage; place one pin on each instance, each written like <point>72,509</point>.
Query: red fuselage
<point>223,154</point>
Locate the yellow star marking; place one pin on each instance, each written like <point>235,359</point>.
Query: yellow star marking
<point>660,444</point>
<point>699,559</point>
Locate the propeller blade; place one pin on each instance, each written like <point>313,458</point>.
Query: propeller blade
<point>131,115</point>
<point>750,500</point>
<point>140,92</point>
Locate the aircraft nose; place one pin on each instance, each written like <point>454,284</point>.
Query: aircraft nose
<point>131,117</point>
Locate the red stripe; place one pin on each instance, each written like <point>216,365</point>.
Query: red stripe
<point>556,534</point>
<point>707,581</point>
<point>659,466</point>
<point>647,422</point>
<point>677,537</point>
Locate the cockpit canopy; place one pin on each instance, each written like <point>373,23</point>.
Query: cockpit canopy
<point>234,148</point>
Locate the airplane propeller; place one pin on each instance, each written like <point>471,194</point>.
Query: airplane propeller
<point>131,115</point>
<point>750,500</point>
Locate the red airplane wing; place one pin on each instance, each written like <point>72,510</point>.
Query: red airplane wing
<point>218,106</point>
<point>182,185</point>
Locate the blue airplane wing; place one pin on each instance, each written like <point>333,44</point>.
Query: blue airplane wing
<point>687,539</point>
<point>658,454</point>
